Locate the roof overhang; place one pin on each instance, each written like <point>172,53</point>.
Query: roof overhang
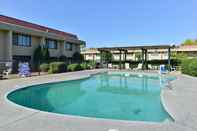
<point>136,48</point>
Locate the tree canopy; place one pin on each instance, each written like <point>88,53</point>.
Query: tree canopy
<point>77,57</point>
<point>107,56</point>
<point>189,42</point>
<point>41,55</point>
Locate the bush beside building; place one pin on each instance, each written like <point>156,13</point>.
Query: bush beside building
<point>189,66</point>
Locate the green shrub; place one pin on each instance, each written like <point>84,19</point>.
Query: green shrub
<point>85,66</point>
<point>44,67</point>
<point>92,64</point>
<point>57,67</point>
<point>185,66</point>
<point>77,57</point>
<point>133,65</point>
<point>74,67</point>
<point>193,68</point>
<point>189,66</point>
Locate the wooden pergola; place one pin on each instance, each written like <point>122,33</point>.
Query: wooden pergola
<point>144,52</point>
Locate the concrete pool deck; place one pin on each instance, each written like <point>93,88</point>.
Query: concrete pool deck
<point>180,100</point>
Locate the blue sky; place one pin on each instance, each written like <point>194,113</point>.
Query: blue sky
<point>112,22</point>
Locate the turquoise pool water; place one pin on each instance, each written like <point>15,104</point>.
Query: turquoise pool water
<point>111,96</point>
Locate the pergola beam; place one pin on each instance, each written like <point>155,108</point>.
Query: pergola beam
<point>144,50</point>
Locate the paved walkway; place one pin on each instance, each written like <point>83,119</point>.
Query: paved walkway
<point>180,101</point>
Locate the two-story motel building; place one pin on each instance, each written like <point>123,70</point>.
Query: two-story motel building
<point>19,39</point>
<point>93,54</point>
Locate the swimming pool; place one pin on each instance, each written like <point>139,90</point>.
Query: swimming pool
<point>120,96</point>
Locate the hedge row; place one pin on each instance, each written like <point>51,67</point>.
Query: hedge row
<point>60,67</point>
<point>57,67</point>
<point>189,67</point>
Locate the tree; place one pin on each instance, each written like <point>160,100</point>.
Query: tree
<point>41,55</point>
<point>138,56</point>
<point>45,54</point>
<point>82,45</point>
<point>189,42</point>
<point>179,57</point>
<point>37,57</point>
<point>107,56</point>
<point>77,57</point>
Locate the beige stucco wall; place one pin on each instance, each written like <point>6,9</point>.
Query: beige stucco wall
<point>5,45</point>
<point>156,54</point>
<point>26,51</point>
<point>56,52</point>
<point>8,50</point>
<point>2,45</point>
<point>90,57</point>
<point>67,53</point>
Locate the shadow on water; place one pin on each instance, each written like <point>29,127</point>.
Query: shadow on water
<point>47,97</point>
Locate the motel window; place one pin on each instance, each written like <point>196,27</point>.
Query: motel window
<point>21,40</point>
<point>51,44</point>
<point>68,46</point>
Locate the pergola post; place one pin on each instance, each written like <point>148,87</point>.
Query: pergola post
<point>145,62</point>
<point>101,58</point>
<point>107,62</point>
<point>120,60</point>
<point>94,57</point>
<point>125,58</point>
<point>169,61</point>
<point>142,59</point>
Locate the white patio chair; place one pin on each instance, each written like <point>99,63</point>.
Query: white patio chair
<point>7,72</point>
<point>127,66</point>
<point>150,67</point>
<point>139,67</point>
<point>110,65</point>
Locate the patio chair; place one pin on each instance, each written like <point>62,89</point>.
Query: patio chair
<point>127,66</point>
<point>173,69</point>
<point>150,67</point>
<point>139,67</point>
<point>7,72</point>
<point>162,69</point>
<point>110,66</point>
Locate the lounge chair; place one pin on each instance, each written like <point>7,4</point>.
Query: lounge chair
<point>127,66</point>
<point>139,67</point>
<point>150,67</point>
<point>172,69</point>
<point>110,66</point>
<point>7,72</point>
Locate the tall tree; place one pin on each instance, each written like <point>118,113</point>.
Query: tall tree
<point>107,56</point>
<point>77,57</point>
<point>45,54</point>
<point>37,57</point>
<point>138,56</point>
<point>189,42</point>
